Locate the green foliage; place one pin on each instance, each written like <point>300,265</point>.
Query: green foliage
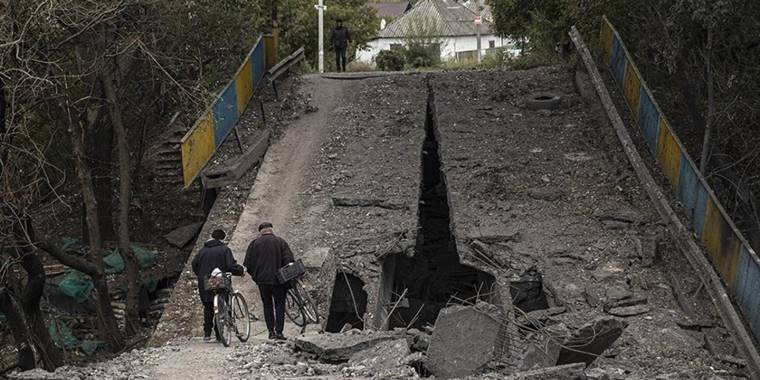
<point>543,24</point>
<point>390,60</point>
<point>299,26</point>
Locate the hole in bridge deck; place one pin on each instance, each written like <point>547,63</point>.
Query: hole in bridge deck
<point>431,279</point>
<point>348,303</point>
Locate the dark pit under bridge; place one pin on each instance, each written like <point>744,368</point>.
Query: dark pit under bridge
<point>421,285</point>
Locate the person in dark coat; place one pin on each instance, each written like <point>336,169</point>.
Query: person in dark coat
<point>339,40</point>
<point>263,259</point>
<point>214,254</point>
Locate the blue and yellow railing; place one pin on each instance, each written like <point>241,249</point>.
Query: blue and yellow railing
<point>730,253</point>
<point>215,124</point>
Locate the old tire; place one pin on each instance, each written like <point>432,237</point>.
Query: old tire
<point>543,101</point>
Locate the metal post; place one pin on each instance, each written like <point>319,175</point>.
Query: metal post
<point>321,8</point>
<point>477,30</point>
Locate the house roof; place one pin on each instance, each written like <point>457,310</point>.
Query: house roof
<point>443,18</point>
<point>388,9</point>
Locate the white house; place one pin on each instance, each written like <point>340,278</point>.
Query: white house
<point>451,23</point>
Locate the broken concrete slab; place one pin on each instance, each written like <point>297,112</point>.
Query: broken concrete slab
<point>465,339</point>
<point>383,356</point>
<point>591,340</point>
<point>339,347</point>
<point>561,372</point>
<point>629,311</point>
<point>545,194</point>
<point>181,236</point>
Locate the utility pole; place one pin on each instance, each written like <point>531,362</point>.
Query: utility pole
<point>321,8</point>
<point>478,21</point>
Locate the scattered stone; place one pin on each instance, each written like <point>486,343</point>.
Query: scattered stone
<point>364,202</point>
<point>609,271</point>
<point>631,301</point>
<point>680,339</point>
<point>696,324</point>
<point>607,373</point>
<point>646,249</point>
<point>561,372</point>
<point>339,347</point>
<point>624,215</point>
<point>629,311</point>
<point>545,194</point>
<point>591,340</point>
<point>578,157</point>
<point>615,224</point>
<point>617,293</point>
<point>457,349</point>
<point>733,360</point>
<point>179,237</point>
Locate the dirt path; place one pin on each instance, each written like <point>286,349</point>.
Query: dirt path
<point>272,198</point>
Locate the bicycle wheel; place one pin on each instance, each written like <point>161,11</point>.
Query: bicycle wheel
<point>308,307</point>
<point>293,309</point>
<point>220,320</point>
<point>240,317</point>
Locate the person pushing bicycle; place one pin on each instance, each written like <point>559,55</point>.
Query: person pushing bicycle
<point>214,255</point>
<point>263,259</point>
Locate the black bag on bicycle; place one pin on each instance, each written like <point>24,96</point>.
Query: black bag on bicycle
<point>291,271</point>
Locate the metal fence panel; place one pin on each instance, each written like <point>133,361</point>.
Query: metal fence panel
<point>225,114</point>
<point>197,148</point>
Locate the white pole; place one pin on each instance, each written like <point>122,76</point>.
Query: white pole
<point>321,36</point>
<point>477,30</point>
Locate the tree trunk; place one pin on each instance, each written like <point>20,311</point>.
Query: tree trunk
<point>122,143</point>
<point>99,146</point>
<point>50,355</point>
<point>105,312</point>
<point>18,328</point>
<point>97,140</point>
<point>707,142</point>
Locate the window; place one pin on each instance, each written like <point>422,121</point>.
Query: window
<point>491,44</point>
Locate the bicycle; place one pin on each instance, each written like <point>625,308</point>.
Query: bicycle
<point>299,307</point>
<point>230,311</point>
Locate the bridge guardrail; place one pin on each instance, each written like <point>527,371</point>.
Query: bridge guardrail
<point>211,129</point>
<point>730,253</point>
<point>283,66</point>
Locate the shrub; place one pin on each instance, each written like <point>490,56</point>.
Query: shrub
<point>390,60</point>
<point>422,55</point>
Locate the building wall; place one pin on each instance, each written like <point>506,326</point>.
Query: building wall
<point>449,47</point>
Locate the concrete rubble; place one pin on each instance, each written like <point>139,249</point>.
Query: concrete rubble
<point>340,347</point>
<point>466,338</point>
<point>181,236</point>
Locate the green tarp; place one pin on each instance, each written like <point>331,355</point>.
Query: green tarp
<point>114,262</point>
<point>76,285</point>
<point>63,338</point>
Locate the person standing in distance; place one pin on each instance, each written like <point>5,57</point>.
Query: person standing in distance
<point>265,256</point>
<point>340,37</point>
